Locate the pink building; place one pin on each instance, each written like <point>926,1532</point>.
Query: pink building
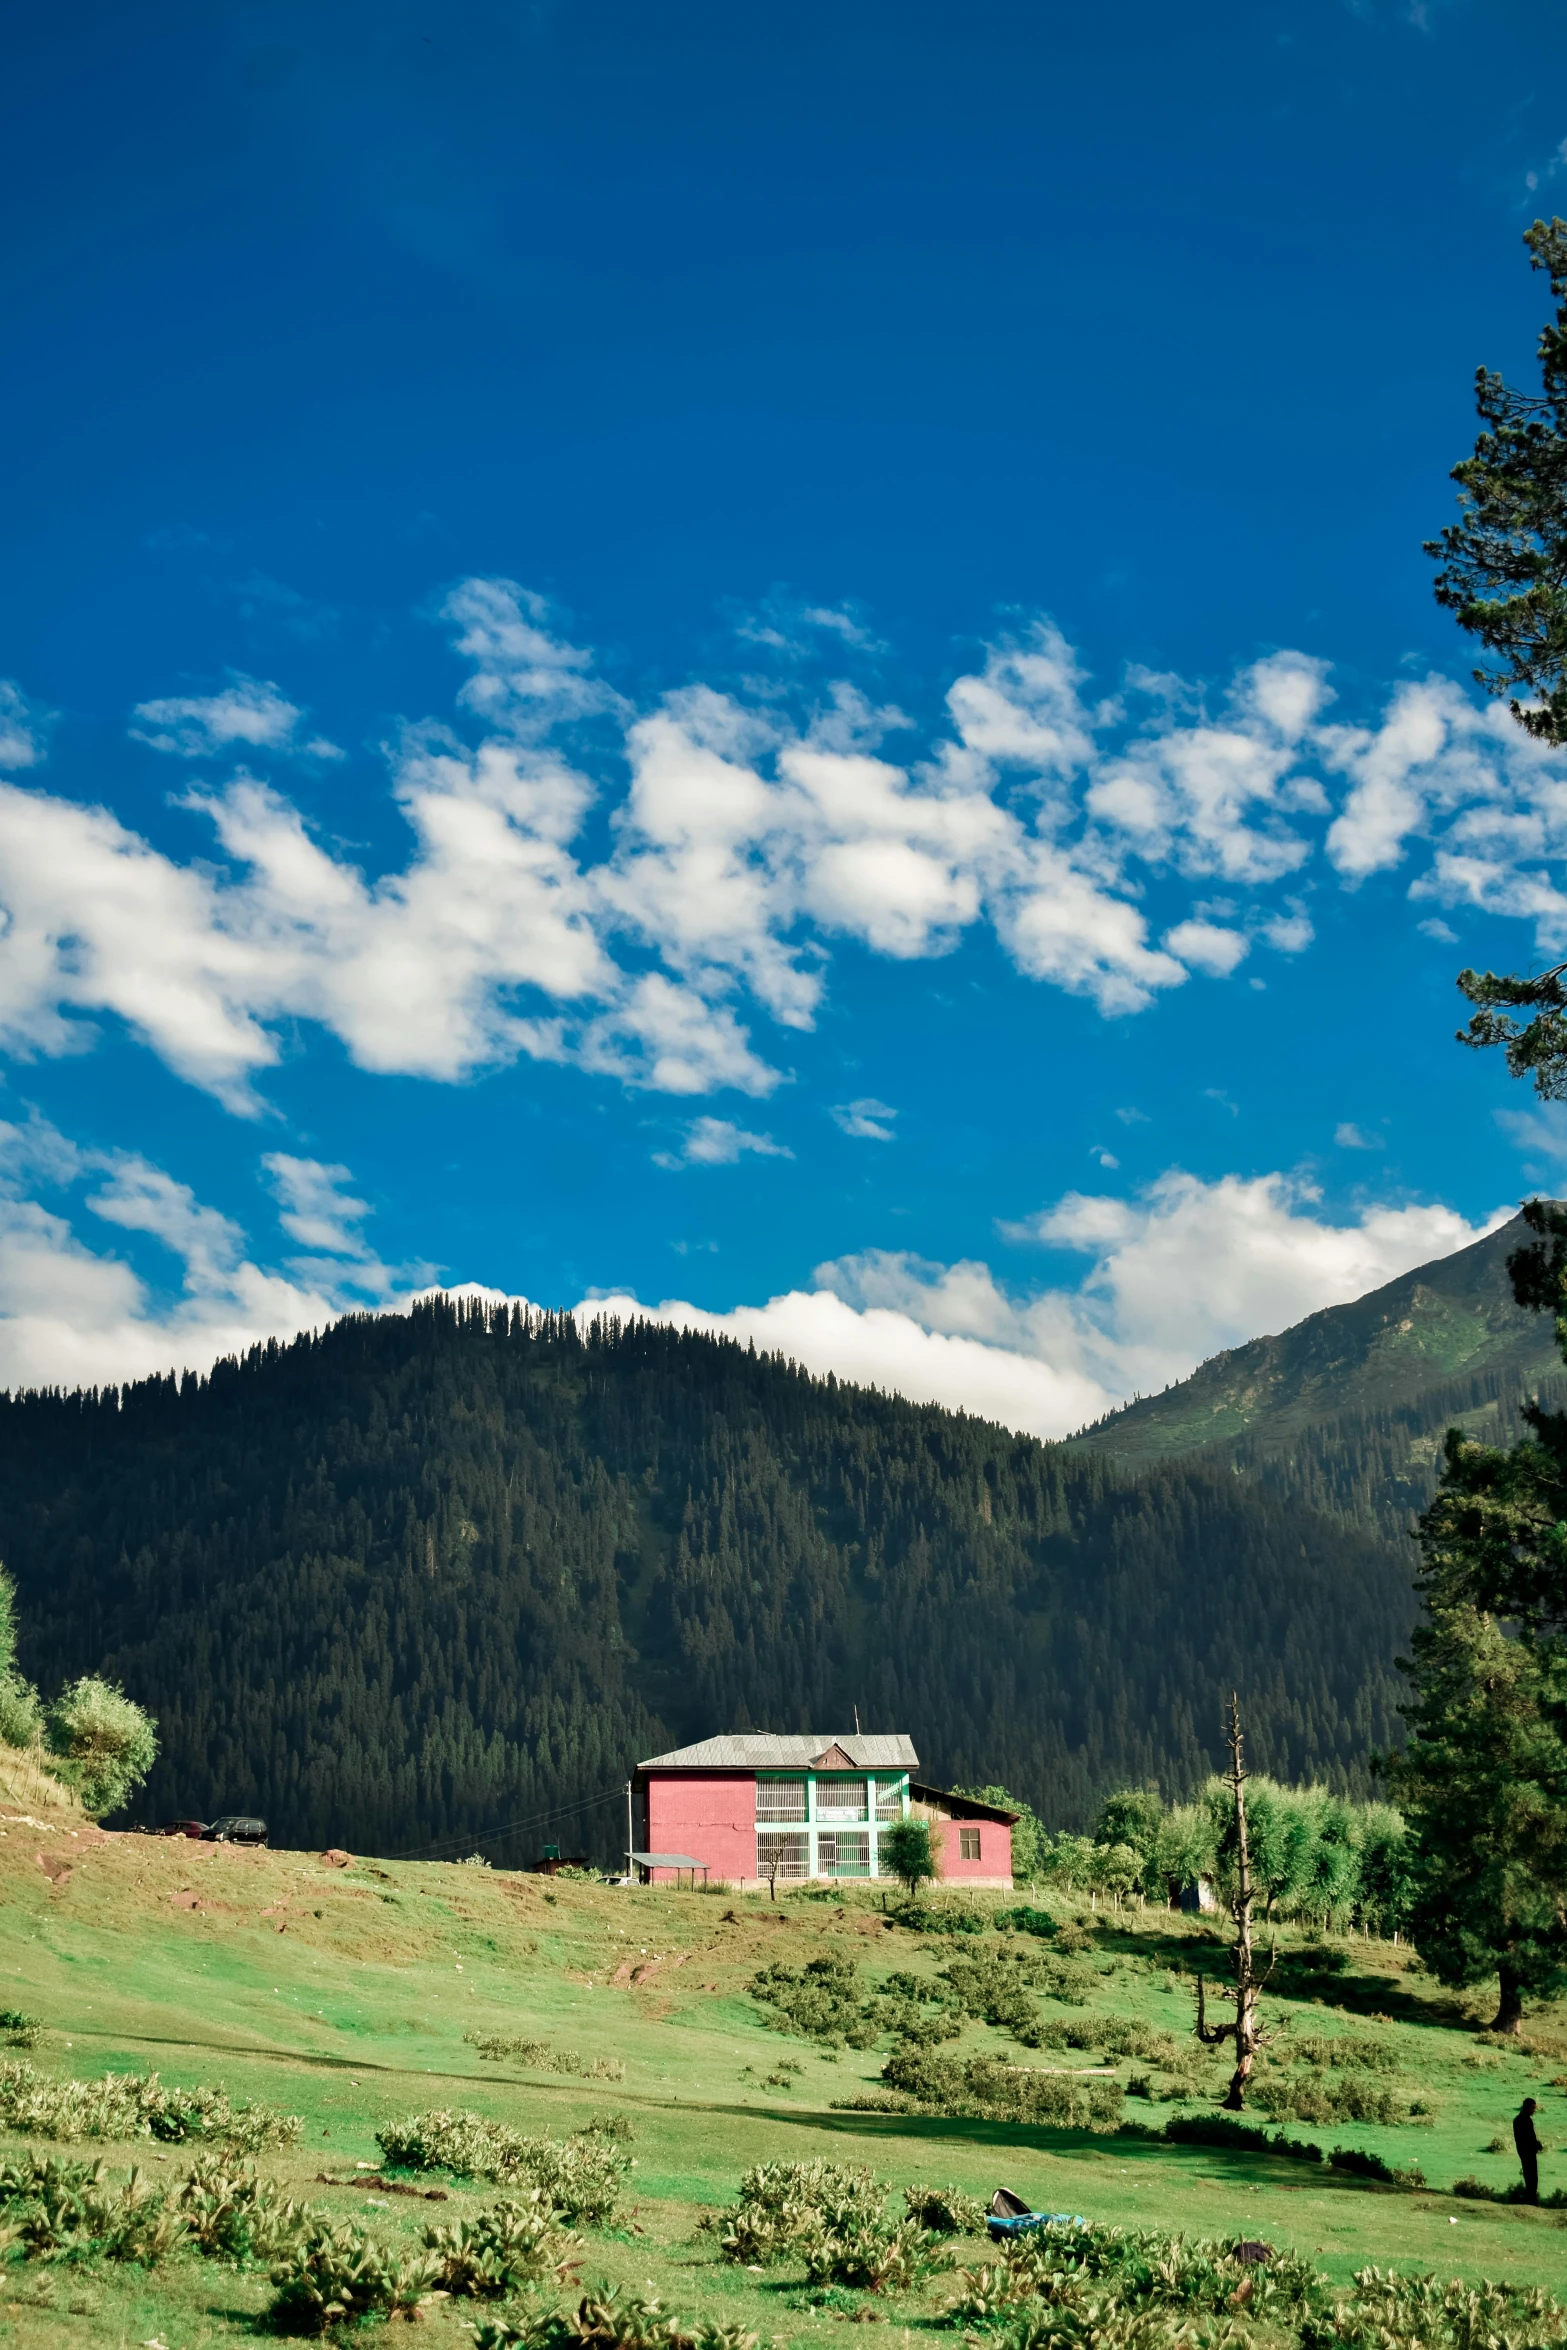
<point>817,1805</point>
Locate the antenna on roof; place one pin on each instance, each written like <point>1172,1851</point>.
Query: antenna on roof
<point>856,1721</point>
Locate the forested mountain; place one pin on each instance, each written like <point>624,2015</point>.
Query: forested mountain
<point>422,1575</point>
<point>1347,1410</point>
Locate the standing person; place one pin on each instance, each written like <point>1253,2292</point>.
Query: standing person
<point>1528,2146</point>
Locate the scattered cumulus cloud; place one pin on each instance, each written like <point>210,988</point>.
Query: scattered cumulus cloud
<point>248,711</point>
<point>1350,1138</point>
<point>715,1142</point>
<point>75,1311</point>
<point>742,838</point>
<point>1176,1274</point>
<point>867,1120</point>
<point>1184,1268</point>
<point>22,726</point>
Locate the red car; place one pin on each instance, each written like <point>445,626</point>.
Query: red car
<point>192,1828</point>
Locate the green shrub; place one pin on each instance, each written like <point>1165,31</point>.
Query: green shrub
<point>104,1744</point>
<point>335,2275</point>
<point>1306,2098</point>
<point>1024,1920</point>
<point>1070,2283</point>
<point>502,2250</point>
<point>136,2105</point>
<point>231,2214</point>
<point>945,2211</point>
<point>608,2320</point>
<point>1386,2311</point>
<point>582,2177</point>
<point>543,2058</point>
<point>985,2089</point>
<point>1218,2129</point>
<point>68,2211</point>
<point>821,2000</point>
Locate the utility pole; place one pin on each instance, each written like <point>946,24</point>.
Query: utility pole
<point>630,1837</point>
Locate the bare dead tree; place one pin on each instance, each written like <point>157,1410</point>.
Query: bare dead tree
<point>770,1872</point>
<point>1244,2027</point>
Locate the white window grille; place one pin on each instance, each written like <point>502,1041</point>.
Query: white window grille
<point>841,1798</point>
<point>889,1799</point>
<point>791,1852</point>
<point>780,1799</point>
<point>843,1855</point>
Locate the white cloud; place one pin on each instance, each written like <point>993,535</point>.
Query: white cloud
<point>714,1142</point>
<point>866,1120</point>
<point>1174,1275</point>
<point>22,726</point>
<point>747,835</point>
<point>1540,1134</point>
<point>1349,1138</point>
<point>248,710</point>
<point>1208,946</point>
<point>74,1313</point>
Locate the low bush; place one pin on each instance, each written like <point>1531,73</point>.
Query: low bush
<point>821,2000</point>
<point>608,2320</point>
<point>1347,2097</point>
<point>68,2211</point>
<point>231,2214</point>
<point>1024,1920</point>
<point>543,2058</point>
<point>136,2105</point>
<point>334,2275</point>
<point>1117,2286</point>
<point>1386,2311</point>
<point>503,2250</point>
<point>945,2211</point>
<point>985,2089</point>
<point>581,2176</point>
<point>1218,2129</point>
<point>1356,2163</point>
<point>832,2216</point>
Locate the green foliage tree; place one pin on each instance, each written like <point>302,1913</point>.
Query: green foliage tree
<point>907,1849</point>
<point>1387,1878</point>
<point>1131,1818</point>
<point>104,1742</point>
<point>1184,1853</point>
<point>1503,574</point>
<point>1483,1783</point>
<point>1504,562</point>
<point>21,1716</point>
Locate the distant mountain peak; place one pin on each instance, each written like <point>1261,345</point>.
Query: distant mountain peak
<point>1397,1348</point>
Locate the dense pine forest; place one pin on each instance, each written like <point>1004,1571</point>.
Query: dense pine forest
<point>420,1576</point>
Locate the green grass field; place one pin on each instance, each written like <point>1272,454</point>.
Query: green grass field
<point>344,1994</point>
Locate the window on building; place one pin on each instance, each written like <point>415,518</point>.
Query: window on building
<point>791,1852</point>
<point>841,1798</point>
<point>780,1799</point>
<point>840,1855</point>
<point>889,1799</point>
<point>968,1844</point>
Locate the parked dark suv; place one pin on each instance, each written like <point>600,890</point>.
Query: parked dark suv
<point>235,1828</point>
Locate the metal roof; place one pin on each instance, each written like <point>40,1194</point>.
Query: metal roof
<point>768,1750</point>
<point>667,1860</point>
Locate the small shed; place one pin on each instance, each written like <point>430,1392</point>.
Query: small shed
<point>646,1862</point>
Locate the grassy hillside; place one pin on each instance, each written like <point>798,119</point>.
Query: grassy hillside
<point>345,1994</point>
<point>1346,1411</point>
<point>1443,1327</point>
<point>427,1575</point>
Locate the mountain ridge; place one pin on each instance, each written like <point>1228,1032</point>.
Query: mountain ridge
<point>1418,1337</point>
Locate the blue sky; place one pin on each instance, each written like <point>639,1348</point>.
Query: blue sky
<point>772,665</point>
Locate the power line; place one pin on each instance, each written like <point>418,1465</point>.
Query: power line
<point>433,1850</point>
